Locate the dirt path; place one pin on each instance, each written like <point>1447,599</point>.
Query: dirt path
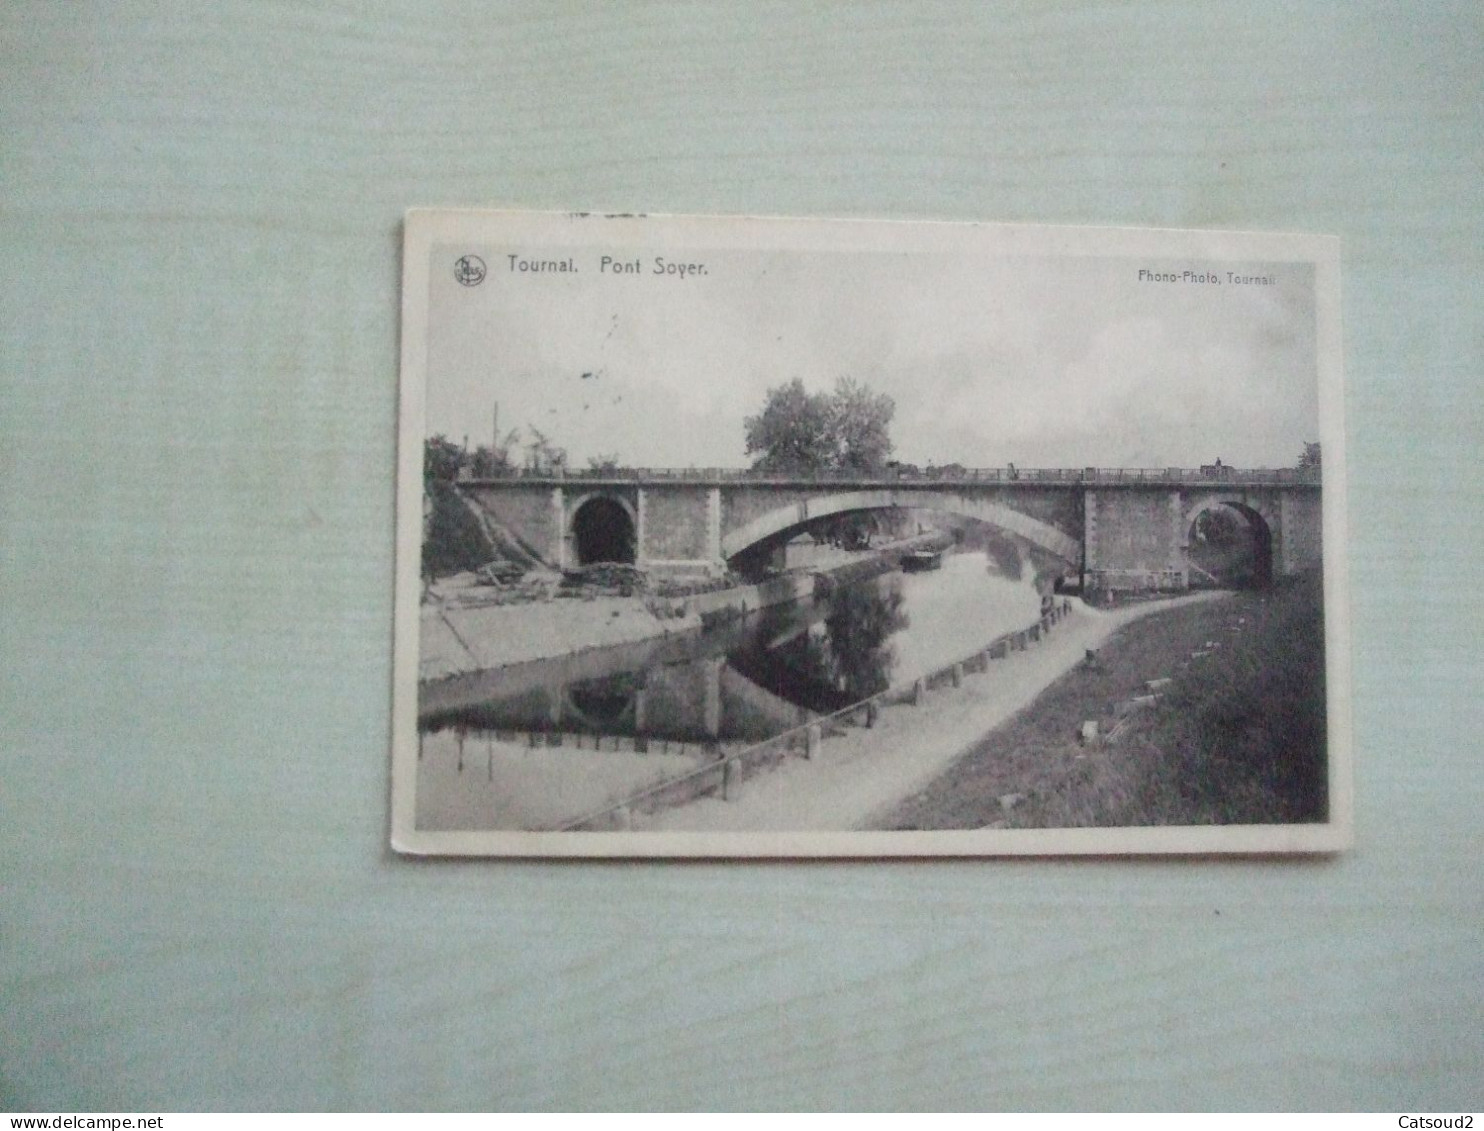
<point>1009,776</point>
<point>858,779</point>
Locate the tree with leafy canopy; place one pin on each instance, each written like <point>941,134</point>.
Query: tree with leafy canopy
<point>491,461</point>
<point>1311,457</point>
<point>603,462</point>
<point>798,431</point>
<point>861,420</point>
<point>792,432</point>
<point>542,454</point>
<point>452,538</point>
<point>442,461</point>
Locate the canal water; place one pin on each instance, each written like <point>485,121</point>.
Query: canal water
<point>758,676</point>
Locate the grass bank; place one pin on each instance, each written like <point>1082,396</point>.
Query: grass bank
<point>455,541</point>
<point>1236,737</point>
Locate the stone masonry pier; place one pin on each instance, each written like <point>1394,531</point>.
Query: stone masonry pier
<point>1120,528</point>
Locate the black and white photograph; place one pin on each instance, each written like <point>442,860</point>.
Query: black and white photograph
<point>754,537</point>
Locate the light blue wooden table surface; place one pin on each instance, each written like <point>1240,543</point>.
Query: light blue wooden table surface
<point>199,232</point>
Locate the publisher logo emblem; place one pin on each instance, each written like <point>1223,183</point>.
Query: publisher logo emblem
<point>469,270</point>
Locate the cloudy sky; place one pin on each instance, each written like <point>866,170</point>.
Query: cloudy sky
<point>1043,362</point>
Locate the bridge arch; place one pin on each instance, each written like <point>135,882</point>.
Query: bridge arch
<point>604,528</point>
<point>1240,500</point>
<point>1262,529</point>
<point>793,516</point>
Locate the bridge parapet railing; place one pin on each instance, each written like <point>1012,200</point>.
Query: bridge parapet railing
<point>726,774</point>
<point>1212,474</point>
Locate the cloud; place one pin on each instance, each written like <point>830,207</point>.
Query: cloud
<point>1037,361</point>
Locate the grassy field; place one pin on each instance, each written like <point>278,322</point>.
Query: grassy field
<point>1236,737</point>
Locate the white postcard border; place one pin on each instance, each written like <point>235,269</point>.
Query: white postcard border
<point>425,228</point>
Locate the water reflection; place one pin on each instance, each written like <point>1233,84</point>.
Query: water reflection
<point>843,657</point>
<point>759,676</point>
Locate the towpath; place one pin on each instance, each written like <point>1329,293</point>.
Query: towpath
<point>859,777</point>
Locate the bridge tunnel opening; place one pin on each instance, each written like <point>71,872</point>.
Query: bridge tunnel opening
<point>839,536</point>
<point>819,542</point>
<point>603,531</point>
<point>604,704</point>
<point>1230,546</point>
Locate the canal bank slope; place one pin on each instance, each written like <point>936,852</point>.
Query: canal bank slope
<point>1236,736</point>
<point>858,778</point>
<point>466,628</point>
<point>458,639</point>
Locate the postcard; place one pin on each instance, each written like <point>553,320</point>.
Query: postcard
<point>746,537</point>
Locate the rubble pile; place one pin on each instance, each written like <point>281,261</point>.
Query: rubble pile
<point>518,593</point>
<point>695,586</point>
<point>603,579</point>
<point>499,572</point>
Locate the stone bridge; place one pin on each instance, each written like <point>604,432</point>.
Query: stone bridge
<point>1122,529</point>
